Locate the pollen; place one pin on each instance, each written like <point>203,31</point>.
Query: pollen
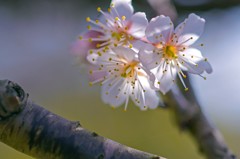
<point>130,70</point>
<point>98,45</point>
<point>89,27</point>
<point>123,18</point>
<point>116,18</point>
<point>170,51</point>
<point>88,19</point>
<point>99,9</point>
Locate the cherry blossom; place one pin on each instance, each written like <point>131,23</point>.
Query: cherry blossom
<point>120,26</point>
<point>170,51</point>
<point>125,78</point>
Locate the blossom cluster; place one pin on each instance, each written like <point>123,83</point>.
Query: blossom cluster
<point>132,58</point>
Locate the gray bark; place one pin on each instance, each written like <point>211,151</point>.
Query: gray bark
<point>35,131</point>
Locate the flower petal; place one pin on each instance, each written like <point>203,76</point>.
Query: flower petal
<point>206,66</point>
<point>122,8</point>
<point>165,75</point>
<point>95,75</point>
<point>190,30</point>
<point>127,1</point>
<point>81,47</point>
<point>138,24</point>
<point>93,59</point>
<point>194,61</point>
<point>148,57</point>
<point>147,98</point>
<point>111,94</point>
<point>127,53</point>
<point>159,26</point>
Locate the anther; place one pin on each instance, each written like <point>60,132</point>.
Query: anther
<point>98,45</point>
<point>99,53</point>
<point>99,9</point>
<point>88,19</point>
<point>116,18</point>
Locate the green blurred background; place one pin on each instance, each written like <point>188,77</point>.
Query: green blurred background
<point>36,37</point>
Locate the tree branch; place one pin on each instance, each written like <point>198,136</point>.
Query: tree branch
<point>37,132</point>
<point>189,117</point>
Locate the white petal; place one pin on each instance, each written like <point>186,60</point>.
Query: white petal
<point>138,45</point>
<point>206,66</point>
<point>138,24</point>
<point>92,58</point>
<point>190,30</point>
<point>159,26</point>
<point>190,66</point>
<point>151,97</point>
<point>166,78</point>
<point>144,97</point>
<point>148,58</point>
<point>111,94</point>
<point>97,77</point>
<point>122,8</point>
<point>194,62</point>
<point>127,1</point>
<point>127,53</point>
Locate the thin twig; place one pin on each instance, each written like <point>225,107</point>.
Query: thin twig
<point>189,117</point>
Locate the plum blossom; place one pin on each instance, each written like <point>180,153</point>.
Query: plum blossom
<point>124,78</point>
<point>117,27</point>
<point>170,51</point>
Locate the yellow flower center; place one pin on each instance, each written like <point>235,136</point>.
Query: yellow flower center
<point>122,35</point>
<point>170,51</point>
<point>129,69</point>
<point>117,35</point>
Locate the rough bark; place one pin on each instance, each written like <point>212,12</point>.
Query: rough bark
<point>35,131</point>
<point>190,117</point>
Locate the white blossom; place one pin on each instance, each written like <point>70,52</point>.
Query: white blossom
<point>124,78</point>
<point>169,52</point>
<point>120,26</point>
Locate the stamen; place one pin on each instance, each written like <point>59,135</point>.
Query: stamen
<point>185,41</point>
<point>88,19</point>
<point>99,9</point>
<point>181,79</point>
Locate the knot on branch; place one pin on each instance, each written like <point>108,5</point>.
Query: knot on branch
<point>12,98</point>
